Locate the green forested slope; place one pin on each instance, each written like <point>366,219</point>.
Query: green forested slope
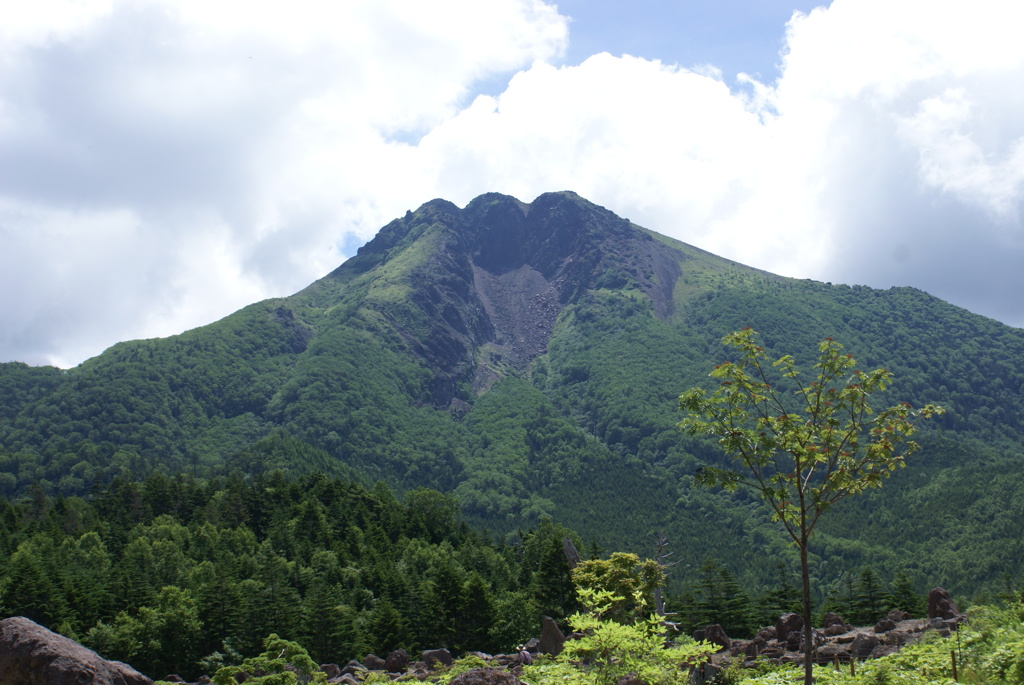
<point>527,358</point>
<point>168,571</point>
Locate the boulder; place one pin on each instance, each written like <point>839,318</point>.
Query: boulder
<point>353,666</point>
<point>755,647</point>
<point>551,638</point>
<point>346,679</point>
<point>830,651</point>
<point>863,644</point>
<point>788,623</point>
<point>332,670</point>
<point>900,637</point>
<point>795,641</point>
<point>32,655</point>
<point>485,676</point>
<point>373,662</point>
<point>397,661</point>
<point>767,634</point>
<point>885,625</point>
<point>897,615</point>
<point>836,629</point>
<point>432,657</point>
<point>941,605</point>
<point>832,619</point>
<point>715,634</point>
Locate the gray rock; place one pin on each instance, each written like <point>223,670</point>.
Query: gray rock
<point>437,656</point>
<point>832,619</point>
<point>830,651</point>
<point>551,638</point>
<point>32,655</point>
<point>885,625</point>
<point>353,667</point>
<point>485,676</point>
<point>715,634</point>
<point>373,662</point>
<point>397,661</point>
<point>755,647</point>
<point>788,623</point>
<point>345,679</point>
<point>795,641</point>
<point>863,644</point>
<point>836,629</point>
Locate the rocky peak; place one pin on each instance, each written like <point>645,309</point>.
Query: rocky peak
<point>491,279</point>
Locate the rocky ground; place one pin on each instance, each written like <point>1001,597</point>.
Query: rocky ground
<point>32,655</point>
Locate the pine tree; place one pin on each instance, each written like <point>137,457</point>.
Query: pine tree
<point>28,591</point>
<point>868,601</point>
<point>903,597</point>
<point>781,598</point>
<point>475,615</point>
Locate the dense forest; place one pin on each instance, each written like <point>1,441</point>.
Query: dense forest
<point>180,575</point>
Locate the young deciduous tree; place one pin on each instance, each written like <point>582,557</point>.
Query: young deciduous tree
<point>627,578</point>
<point>803,448</point>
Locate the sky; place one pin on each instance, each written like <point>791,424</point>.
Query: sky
<point>163,163</point>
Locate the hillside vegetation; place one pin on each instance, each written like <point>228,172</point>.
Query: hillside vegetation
<point>527,360</point>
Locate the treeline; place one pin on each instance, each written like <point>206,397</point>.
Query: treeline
<point>166,572</point>
<point>182,574</point>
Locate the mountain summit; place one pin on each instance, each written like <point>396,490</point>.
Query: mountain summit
<point>527,359</point>
<point>479,289</point>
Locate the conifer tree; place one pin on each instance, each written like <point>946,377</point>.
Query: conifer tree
<point>869,598</point>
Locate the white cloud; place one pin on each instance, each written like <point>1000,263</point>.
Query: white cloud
<point>245,141</point>
<point>888,152</point>
<point>167,163</point>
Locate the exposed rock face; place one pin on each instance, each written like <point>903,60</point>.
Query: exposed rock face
<point>32,655</point>
<point>941,605</point>
<point>498,275</point>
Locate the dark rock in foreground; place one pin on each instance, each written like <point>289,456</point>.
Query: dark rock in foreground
<point>32,655</point>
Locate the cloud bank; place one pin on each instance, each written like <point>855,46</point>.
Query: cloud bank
<point>167,163</point>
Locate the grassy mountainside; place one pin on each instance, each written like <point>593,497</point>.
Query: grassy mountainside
<point>528,359</point>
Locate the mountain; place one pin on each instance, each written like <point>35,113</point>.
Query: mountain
<point>527,358</point>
